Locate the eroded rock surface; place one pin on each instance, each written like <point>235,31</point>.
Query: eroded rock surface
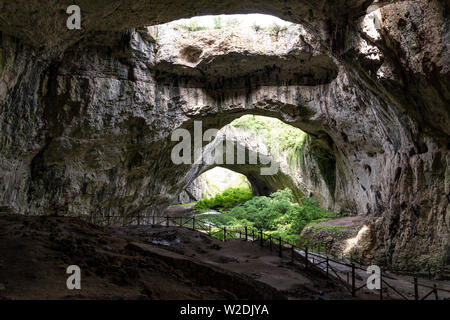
<point>86,118</point>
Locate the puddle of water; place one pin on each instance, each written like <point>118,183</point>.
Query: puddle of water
<point>165,242</point>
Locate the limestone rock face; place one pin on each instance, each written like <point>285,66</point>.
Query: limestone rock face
<point>232,53</point>
<point>86,116</point>
<point>267,170</point>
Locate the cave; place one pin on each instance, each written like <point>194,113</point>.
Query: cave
<point>87,115</point>
<point>256,154</point>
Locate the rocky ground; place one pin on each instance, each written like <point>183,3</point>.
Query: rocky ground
<point>143,263</point>
<point>244,258</point>
<point>335,235</point>
<point>86,117</point>
<point>35,252</point>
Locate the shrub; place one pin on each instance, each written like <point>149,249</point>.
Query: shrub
<point>276,214</point>
<point>232,23</point>
<point>275,29</point>
<point>193,26</point>
<point>218,23</point>
<point>229,198</point>
<point>257,27</point>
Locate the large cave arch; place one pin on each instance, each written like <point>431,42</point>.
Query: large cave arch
<point>86,115</point>
<point>256,154</point>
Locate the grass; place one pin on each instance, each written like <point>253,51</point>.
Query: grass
<point>182,204</point>
<point>275,29</point>
<point>192,26</point>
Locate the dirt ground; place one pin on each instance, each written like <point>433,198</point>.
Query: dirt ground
<point>243,257</point>
<point>146,262</point>
<point>35,252</point>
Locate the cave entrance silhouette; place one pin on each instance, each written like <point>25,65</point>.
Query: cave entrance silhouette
<point>254,135</point>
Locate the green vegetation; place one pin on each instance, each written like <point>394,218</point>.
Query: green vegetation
<point>257,27</point>
<point>277,214</point>
<point>232,23</point>
<point>275,29</point>
<point>228,199</point>
<point>218,23</point>
<point>192,26</point>
<point>218,179</point>
<point>182,204</point>
<point>279,136</point>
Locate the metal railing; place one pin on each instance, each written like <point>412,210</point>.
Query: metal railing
<point>349,274</point>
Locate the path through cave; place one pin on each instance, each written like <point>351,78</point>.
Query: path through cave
<point>86,116</point>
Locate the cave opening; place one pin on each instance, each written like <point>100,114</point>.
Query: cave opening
<point>234,51</point>
<point>212,182</point>
<point>252,139</point>
<point>86,117</point>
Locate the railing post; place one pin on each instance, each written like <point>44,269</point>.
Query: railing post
<point>224,233</point>
<point>280,253</point>
<point>327,267</point>
<point>167,221</point>
<point>416,289</point>
<point>193,223</point>
<point>435,291</point>
<point>246,233</point>
<point>353,280</point>
<point>139,220</point>
<point>292,253</point>
<point>270,242</point>
<point>261,238</point>
<point>306,257</point>
<point>153,219</point>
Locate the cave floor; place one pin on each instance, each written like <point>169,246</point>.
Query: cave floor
<point>145,262</point>
<point>243,257</point>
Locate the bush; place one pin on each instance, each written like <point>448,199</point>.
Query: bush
<point>232,23</point>
<point>193,26</point>
<point>277,214</point>
<point>229,198</point>
<point>257,27</point>
<point>218,23</point>
<point>275,29</point>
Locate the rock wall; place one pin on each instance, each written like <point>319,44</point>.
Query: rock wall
<point>273,170</point>
<point>86,118</point>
